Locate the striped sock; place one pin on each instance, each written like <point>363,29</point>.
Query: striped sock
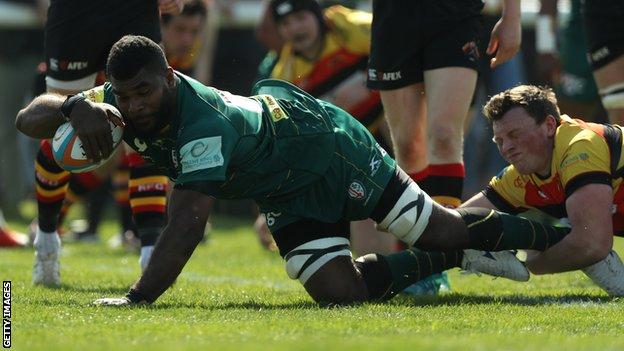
<point>148,197</point>
<point>444,183</point>
<point>50,186</point>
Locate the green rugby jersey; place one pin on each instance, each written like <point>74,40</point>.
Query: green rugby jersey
<point>260,147</point>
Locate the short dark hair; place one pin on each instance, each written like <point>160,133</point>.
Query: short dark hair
<point>132,53</point>
<point>538,102</point>
<point>191,8</point>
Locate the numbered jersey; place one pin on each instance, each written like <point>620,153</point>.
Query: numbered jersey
<point>262,147</point>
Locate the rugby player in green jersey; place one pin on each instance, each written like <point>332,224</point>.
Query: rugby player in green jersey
<point>309,165</point>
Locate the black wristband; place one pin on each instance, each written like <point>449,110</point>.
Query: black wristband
<point>69,103</point>
<point>135,296</point>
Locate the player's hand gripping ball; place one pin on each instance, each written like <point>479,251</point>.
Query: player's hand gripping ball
<point>68,152</point>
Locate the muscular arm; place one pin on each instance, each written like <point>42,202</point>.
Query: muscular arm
<point>591,238</point>
<point>41,117</point>
<point>188,213</point>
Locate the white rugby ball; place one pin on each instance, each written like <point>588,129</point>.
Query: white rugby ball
<point>68,152</point>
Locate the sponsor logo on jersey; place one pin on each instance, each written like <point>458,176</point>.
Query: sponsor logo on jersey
<point>274,108</point>
<point>271,217</point>
<point>356,190</point>
<point>374,165</point>
<point>201,154</point>
<point>573,159</point>
<point>96,94</point>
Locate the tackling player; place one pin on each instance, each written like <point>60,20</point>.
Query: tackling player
<point>563,167</point>
<point>305,162</point>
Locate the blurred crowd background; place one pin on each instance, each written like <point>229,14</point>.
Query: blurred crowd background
<point>227,52</point>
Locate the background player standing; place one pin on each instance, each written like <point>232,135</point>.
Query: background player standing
<point>75,53</point>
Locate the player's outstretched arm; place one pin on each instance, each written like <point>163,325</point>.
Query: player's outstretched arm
<point>591,237</point>
<point>42,117</point>
<point>506,35</point>
<point>188,214</point>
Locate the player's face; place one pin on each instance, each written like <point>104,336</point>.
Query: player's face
<point>146,100</point>
<point>181,33</point>
<point>301,29</point>
<point>528,146</point>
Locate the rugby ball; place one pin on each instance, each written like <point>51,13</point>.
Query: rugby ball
<point>67,149</point>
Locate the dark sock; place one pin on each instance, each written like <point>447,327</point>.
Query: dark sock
<point>444,183</point>
<point>387,275</point>
<point>148,236</point>
<point>494,231</point>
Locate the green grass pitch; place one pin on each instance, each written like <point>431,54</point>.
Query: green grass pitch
<point>233,295</point>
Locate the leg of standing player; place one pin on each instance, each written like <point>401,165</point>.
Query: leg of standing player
<point>426,117</point>
<point>73,58</point>
<point>605,36</point>
<point>610,81</point>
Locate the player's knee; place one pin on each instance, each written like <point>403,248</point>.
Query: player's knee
<point>612,96</point>
<point>337,283</point>
<point>325,269</point>
<point>305,260</point>
<point>410,149</point>
<point>445,140</point>
<point>345,292</point>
